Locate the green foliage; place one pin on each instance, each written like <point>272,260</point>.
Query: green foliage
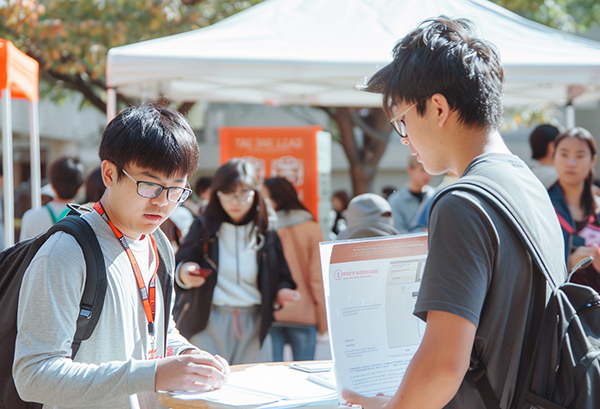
<point>567,15</point>
<point>572,16</point>
<point>71,38</point>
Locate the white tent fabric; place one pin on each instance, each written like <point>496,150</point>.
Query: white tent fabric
<point>314,52</point>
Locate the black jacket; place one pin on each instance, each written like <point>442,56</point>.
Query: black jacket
<point>193,305</point>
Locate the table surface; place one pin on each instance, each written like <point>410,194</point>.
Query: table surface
<point>165,398</point>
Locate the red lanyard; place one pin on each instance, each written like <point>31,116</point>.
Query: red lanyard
<point>566,226</point>
<point>148,295</point>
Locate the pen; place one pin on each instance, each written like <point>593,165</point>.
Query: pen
<point>349,405</point>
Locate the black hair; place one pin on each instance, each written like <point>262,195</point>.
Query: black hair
<point>539,139</point>
<point>152,136</point>
<point>202,184</point>
<point>226,179</point>
<point>94,186</point>
<point>386,191</point>
<point>66,176</point>
<point>444,56</point>
<point>283,194</point>
<point>587,202</point>
<point>342,195</point>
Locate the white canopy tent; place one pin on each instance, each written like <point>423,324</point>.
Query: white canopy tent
<point>314,52</point>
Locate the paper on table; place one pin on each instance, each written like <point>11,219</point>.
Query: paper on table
<point>312,366</point>
<point>262,385</point>
<point>278,380</point>
<point>326,379</point>
<point>228,395</point>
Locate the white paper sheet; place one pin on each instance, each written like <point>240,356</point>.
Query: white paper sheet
<point>228,395</point>
<point>371,288</point>
<point>273,385</point>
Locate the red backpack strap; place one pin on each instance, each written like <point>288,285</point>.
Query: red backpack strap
<point>563,223</point>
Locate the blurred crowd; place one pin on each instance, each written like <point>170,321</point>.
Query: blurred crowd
<point>247,249</point>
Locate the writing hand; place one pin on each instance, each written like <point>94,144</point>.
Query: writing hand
<point>197,371</point>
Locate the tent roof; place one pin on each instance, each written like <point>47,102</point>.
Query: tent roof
<point>18,72</point>
<point>314,52</point>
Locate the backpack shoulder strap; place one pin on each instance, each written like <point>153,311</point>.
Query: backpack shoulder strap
<point>486,191</point>
<point>94,292</point>
<point>165,275</point>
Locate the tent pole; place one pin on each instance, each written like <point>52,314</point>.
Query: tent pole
<point>111,104</point>
<point>34,146</point>
<point>7,169</point>
<point>570,115</point>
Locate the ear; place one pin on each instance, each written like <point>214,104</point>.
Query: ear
<point>109,173</point>
<point>441,109</point>
<point>550,149</point>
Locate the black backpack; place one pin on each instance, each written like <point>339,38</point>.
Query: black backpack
<point>13,264</point>
<point>560,360</point>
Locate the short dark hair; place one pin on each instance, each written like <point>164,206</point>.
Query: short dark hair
<point>283,194</point>
<point>66,176</point>
<point>227,178</point>
<point>94,186</point>
<point>444,56</point>
<point>342,195</point>
<point>539,139</point>
<point>202,184</point>
<point>152,136</point>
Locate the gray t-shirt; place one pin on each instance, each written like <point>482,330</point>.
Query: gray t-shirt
<point>478,269</point>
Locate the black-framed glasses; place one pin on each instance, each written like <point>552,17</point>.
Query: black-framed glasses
<point>398,122</point>
<point>244,196</point>
<point>151,190</point>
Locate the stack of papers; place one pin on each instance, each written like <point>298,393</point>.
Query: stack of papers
<point>266,386</point>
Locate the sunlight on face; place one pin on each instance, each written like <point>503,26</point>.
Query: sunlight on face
<point>573,161</point>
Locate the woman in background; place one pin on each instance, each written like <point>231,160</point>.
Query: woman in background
<point>298,322</point>
<point>339,202</point>
<point>575,204</point>
<point>231,271</point>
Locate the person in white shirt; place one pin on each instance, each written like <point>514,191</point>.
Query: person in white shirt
<point>66,178</point>
<point>542,149</point>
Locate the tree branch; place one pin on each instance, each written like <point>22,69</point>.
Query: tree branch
<point>370,131</point>
<point>75,84</point>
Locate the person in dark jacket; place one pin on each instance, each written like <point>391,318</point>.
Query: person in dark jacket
<point>231,271</point>
<point>575,203</point>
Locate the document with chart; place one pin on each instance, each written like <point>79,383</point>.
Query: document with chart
<point>371,286</point>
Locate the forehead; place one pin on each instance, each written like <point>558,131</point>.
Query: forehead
<point>236,187</point>
<point>573,144</point>
<point>154,175</point>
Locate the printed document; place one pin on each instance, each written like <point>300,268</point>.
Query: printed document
<point>371,287</point>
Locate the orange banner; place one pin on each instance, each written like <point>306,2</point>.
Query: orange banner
<point>18,72</point>
<point>289,152</point>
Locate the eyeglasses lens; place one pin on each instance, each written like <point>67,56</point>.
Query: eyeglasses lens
<point>151,190</point>
<point>241,197</point>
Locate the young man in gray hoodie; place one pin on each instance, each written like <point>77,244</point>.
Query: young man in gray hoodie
<point>148,154</point>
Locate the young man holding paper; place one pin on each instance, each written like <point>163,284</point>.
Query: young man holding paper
<point>443,94</point>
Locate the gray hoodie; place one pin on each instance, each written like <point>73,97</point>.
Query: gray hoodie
<point>368,215</point>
